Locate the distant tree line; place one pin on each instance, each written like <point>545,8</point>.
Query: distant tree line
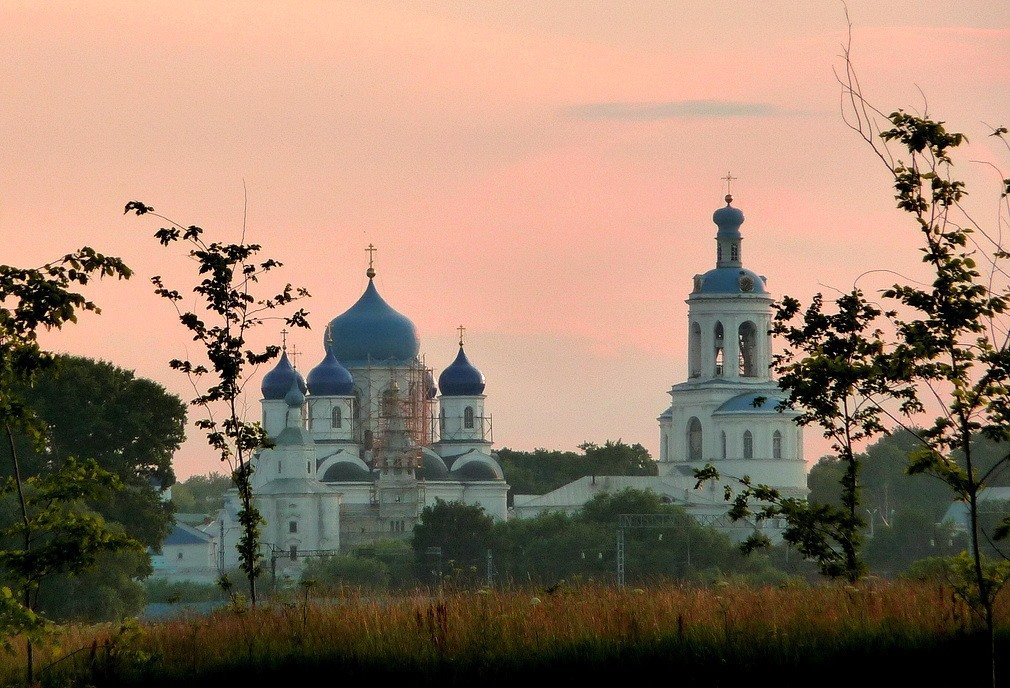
<point>542,470</point>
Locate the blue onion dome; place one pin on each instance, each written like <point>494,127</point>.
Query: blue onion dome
<point>329,378</point>
<point>371,330</point>
<point>278,381</point>
<point>295,396</point>
<point>461,378</point>
<point>730,281</point>
<point>728,220</point>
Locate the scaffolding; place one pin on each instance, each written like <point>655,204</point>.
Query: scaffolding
<point>413,402</point>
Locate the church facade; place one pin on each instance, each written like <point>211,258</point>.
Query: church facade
<point>366,440</point>
<point>725,413</point>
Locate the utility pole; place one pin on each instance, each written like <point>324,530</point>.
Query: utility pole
<point>490,568</point>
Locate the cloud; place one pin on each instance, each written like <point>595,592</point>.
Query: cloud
<point>677,109</point>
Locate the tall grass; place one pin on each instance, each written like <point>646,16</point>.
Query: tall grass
<point>704,636</point>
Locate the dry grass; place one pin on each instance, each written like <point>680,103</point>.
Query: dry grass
<point>489,633</point>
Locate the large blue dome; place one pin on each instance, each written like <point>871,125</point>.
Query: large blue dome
<point>731,281</point>
<point>278,381</point>
<point>371,330</point>
<point>329,378</point>
<point>461,379</point>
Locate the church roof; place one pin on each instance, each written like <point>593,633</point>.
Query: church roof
<point>751,403</point>
<point>329,378</point>
<point>347,472</point>
<point>474,471</point>
<point>432,466</point>
<point>461,378</point>
<point>278,381</point>
<point>182,534</point>
<point>731,280</point>
<point>371,330</point>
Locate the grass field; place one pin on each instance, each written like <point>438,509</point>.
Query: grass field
<point>872,634</point>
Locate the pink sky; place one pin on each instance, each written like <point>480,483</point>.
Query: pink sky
<point>544,173</point>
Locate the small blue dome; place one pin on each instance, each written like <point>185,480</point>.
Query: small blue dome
<point>474,471</point>
<point>751,403</point>
<point>330,379</point>
<point>295,396</point>
<point>461,379</point>
<point>729,220</point>
<point>346,472</point>
<point>278,381</point>
<point>432,467</point>
<point>731,281</point>
<point>371,330</point>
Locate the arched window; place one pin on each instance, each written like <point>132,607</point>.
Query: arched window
<point>723,438</point>
<point>719,348</point>
<point>336,419</point>
<point>694,446</point>
<point>748,349</point>
<point>468,417</point>
<point>734,252</point>
<point>695,350</point>
<point>388,402</point>
<point>777,445</point>
<point>748,445</point>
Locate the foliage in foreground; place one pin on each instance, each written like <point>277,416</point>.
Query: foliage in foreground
<point>709,636</point>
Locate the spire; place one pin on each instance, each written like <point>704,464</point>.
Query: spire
<point>371,255</point>
<point>461,330</point>
<point>728,239</point>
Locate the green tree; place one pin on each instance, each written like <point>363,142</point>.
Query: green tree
<point>396,555</point>
<point>228,273</point>
<point>942,345</point>
<point>130,425</point>
<point>541,470</point>
<point>52,532</point>
<point>201,494</point>
<point>460,532</point>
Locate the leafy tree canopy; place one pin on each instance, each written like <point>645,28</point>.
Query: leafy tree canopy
<point>542,470</point>
<point>201,494</point>
<point>129,425</point>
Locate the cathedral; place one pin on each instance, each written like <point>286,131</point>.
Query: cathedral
<point>725,413</point>
<point>368,438</point>
<point>365,440</point>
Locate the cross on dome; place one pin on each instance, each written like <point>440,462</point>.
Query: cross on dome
<point>284,340</point>
<point>461,330</point>
<point>371,254</point>
<point>729,179</point>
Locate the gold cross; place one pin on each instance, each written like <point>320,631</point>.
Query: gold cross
<point>371,254</point>
<point>729,178</point>
<point>284,340</point>
<point>461,330</point>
